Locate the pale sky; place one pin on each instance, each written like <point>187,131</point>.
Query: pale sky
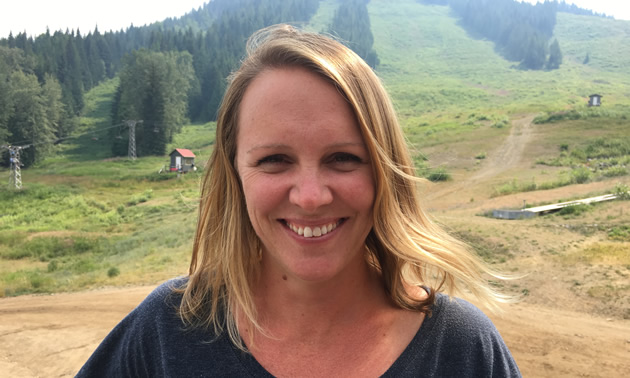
<point>33,16</point>
<point>619,9</point>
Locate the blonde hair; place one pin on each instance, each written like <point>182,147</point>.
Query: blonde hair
<point>404,245</point>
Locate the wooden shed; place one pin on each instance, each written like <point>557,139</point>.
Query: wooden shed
<point>595,100</point>
<point>182,160</point>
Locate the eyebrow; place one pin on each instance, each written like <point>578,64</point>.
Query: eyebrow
<point>285,146</point>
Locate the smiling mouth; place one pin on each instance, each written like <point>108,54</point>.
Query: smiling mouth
<point>313,231</point>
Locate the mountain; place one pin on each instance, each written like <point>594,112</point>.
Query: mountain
<point>432,65</point>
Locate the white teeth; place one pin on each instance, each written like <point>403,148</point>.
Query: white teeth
<point>316,231</point>
<point>308,233</point>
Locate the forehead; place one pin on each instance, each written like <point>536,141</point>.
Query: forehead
<point>274,86</point>
<point>293,101</point>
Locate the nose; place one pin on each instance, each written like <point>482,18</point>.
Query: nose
<point>310,190</point>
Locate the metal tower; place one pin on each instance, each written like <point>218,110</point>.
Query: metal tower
<point>132,138</point>
<point>15,179</point>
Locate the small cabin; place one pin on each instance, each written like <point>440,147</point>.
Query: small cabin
<point>595,100</point>
<point>182,160</point>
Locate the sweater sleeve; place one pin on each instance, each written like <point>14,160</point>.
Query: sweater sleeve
<point>132,348</point>
<point>458,340</point>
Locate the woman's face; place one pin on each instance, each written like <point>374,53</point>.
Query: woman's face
<point>306,175</point>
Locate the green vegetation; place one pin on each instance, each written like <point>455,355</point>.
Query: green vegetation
<point>170,71</point>
<point>492,251</point>
<point>86,219</point>
<point>449,75</point>
<point>78,224</point>
<point>574,210</point>
<point>611,253</point>
<point>351,24</point>
<point>153,88</point>
<point>520,30</point>
<point>620,233</point>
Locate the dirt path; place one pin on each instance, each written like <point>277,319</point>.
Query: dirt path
<point>52,336</point>
<point>504,157</point>
<point>509,154</point>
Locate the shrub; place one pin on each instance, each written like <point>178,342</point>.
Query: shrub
<point>140,198</point>
<point>615,171</point>
<point>622,191</point>
<point>501,124</point>
<point>620,233</point>
<point>438,174</point>
<point>575,210</point>
<point>52,266</point>
<point>113,272</point>
<point>580,175</point>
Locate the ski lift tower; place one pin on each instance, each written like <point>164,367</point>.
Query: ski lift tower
<point>132,138</point>
<point>15,179</point>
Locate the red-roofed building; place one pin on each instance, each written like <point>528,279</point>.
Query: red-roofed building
<point>182,160</point>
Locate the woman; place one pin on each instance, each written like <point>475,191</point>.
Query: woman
<point>312,255</point>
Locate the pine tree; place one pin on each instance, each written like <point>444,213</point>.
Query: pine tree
<point>351,23</point>
<point>555,56</point>
<point>154,88</point>
<point>28,123</point>
<point>6,102</point>
<point>536,53</point>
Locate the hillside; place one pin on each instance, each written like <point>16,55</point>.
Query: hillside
<point>505,137</point>
<point>445,71</point>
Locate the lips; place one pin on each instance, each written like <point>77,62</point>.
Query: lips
<point>313,231</point>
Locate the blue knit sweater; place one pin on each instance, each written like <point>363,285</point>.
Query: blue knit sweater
<point>458,340</point>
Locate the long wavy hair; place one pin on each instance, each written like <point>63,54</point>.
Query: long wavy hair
<point>405,246</point>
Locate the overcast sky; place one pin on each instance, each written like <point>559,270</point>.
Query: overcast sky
<point>33,16</point>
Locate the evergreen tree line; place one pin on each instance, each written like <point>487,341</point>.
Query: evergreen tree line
<point>574,9</point>
<point>197,65</point>
<point>520,31</point>
<point>172,71</point>
<point>32,111</point>
<point>351,24</point>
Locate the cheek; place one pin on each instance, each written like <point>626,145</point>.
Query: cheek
<point>262,195</point>
<point>359,191</point>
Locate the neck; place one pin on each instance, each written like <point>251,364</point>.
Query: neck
<point>289,307</point>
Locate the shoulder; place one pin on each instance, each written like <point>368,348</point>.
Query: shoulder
<point>129,348</point>
<point>457,340</point>
<point>153,341</point>
<point>460,317</point>
<point>470,332</point>
<point>163,299</point>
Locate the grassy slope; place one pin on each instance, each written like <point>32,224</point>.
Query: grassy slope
<point>83,215</point>
<point>432,66</point>
<point>84,219</point>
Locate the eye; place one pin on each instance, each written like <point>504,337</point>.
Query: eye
<point>272,159</point>
<point>344,161</point>
<point>343,157</point>
<point>273,163</point>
